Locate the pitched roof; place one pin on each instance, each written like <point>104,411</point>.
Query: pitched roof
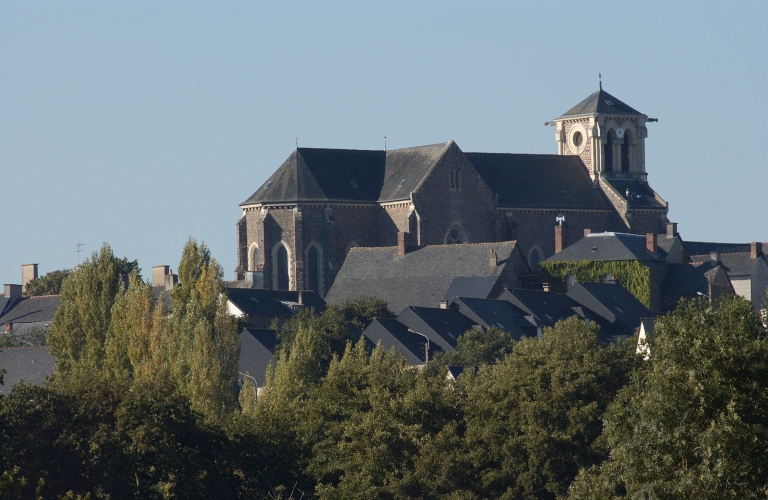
<point>534,180</point>
<point>607,246</point>
<point>261,302</point>
<point>547,308</point>
<point>257,348</point>
<point>499,313</point>
<point>601,102</point>
<point>640,193</point>
<point>735,264</point>
<point>479,287</point>
<point>619,311</point>
<point>441,326</point>
<point>320,174</point>
<point>684,281</point>
<point>706,248</point>
<point>421,277</point>
<point>395,335</point>
<point>32,310</point>
<point>30,364</point>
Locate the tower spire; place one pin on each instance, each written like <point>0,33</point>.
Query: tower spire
<point>600,80</point>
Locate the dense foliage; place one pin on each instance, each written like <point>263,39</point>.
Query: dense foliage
<point>143,405</point>
<point>48,284</point>
<point>631,274</point>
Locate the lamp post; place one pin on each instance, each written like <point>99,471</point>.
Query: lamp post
<point>426,347</point>
<point>255,383</point>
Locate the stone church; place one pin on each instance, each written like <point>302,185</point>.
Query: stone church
<point>297,228</point>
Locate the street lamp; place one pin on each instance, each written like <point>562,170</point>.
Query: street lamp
<point>255,383</point>
<point>426,348</point>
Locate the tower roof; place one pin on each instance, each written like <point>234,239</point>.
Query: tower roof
<point>603,103</point>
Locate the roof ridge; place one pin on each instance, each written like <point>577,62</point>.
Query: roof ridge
<point>422,146</point>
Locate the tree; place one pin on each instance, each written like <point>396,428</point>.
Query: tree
<point>48,284</point>
<point>79,327</point>
<point>535,418</point>
<point>693,422</point>
<point>476,347</point>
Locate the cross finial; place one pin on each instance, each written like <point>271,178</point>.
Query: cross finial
<point>296,137</point>
<point>600,80</point>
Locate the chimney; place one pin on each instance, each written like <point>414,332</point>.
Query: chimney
<point>301,299</point>
<point>28,273</point>
<point>402,245</point>
<point>715,256</point>
<point>493,259</point>
<point>650,243</point>
<point>558,239</point>
<point>158,275</point>
<point>755,249</point>
<point>587,232</point>
<point>443,304</point>
<point>12,291</point>
<point>170,280</point>
<point>545,287</point>
<point>671,229</point>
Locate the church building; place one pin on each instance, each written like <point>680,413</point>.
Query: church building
<point>298,227</point>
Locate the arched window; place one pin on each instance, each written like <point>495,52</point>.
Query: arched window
<point>534,258</point>
<point>252,251</point>
<point>313,269</point>
<point>281,271</point>
<point>625,156</point>
<point>608,151</point>
<point>455,236</point>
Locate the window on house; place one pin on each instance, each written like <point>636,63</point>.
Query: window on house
<point>455,180</point>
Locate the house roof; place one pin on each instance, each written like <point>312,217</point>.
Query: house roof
<point>499,313</point>
<point>735,264</point>
<point>257,348</point>
<point>442,326</point>
<point>479,287</point>
<point>30,364</point>
<point>619,310</point>
<point>535,180</point>
<point>421,277</point>
<point>546,307</point>
<point>409,166</point>
<point>393,334</point>
<point>260,302</point>
<point>32,310</point>
<point>607,246</point>
<point>603,103</point>
<point>706,247</point>
<point>684,281</point>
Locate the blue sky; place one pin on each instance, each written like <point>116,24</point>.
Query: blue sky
<point>144,123</point>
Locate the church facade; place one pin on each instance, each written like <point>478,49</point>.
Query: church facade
<point>296,229</point>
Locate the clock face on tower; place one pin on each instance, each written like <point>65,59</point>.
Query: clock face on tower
<point>619,133</point>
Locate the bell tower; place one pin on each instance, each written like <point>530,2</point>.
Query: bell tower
<point>607,134</point>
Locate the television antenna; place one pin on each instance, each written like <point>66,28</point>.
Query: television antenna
<point>78,252</point>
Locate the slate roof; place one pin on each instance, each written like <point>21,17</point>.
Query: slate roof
<point>257,348</point>
<point>618,310</point>
<point>315,174</point>
<point>706,248</point>
<point>640,193</point>
<point>479,287</point>
<point>684,281</point>
<point>535,180</point>
<point>395,335</point>
<point>735,264</point>
<point>421,277</point>
<point>608,246</point>
<point>32,310</point>
<point>601,102</point>
<point>547,308</point>
<point>499,313</point>
<point>30,364</point>
<point>4,302</point>
<point>441,326</point>
<point>260,302</point>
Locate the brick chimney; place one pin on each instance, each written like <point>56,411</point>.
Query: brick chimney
<point>671,229</point>
<point>587,232</point>
<point>650,243</point>
<point>28,273</point>
<point>558,239</point>
<point>402,242</point>
<point>493,259</point>
<point>755,249</point>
